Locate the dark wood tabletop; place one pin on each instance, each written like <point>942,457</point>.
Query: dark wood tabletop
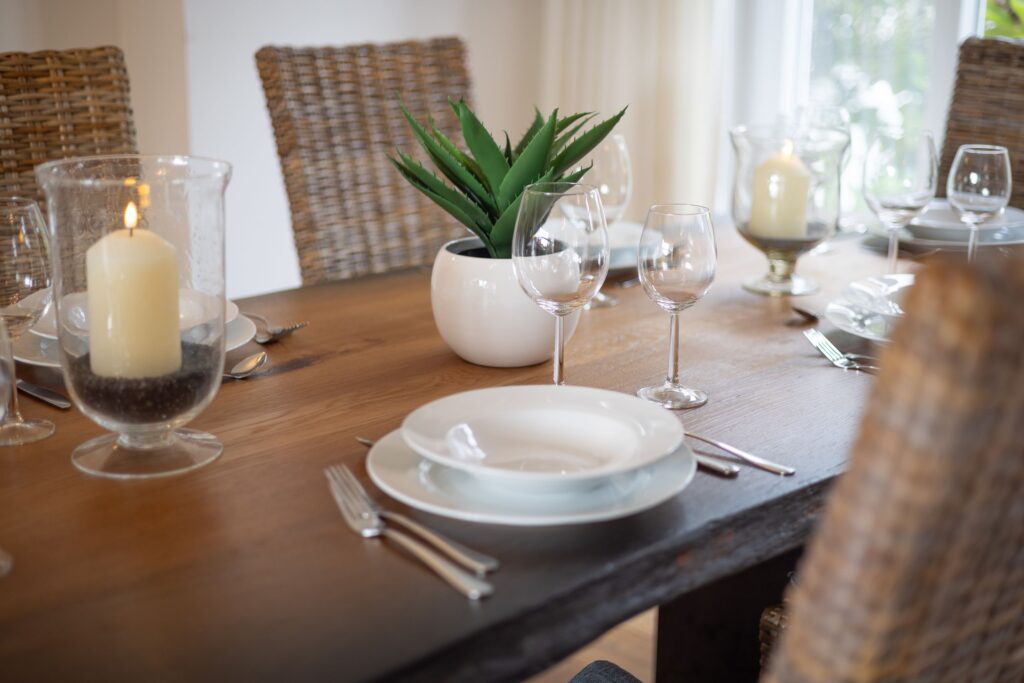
<point>244,570</point>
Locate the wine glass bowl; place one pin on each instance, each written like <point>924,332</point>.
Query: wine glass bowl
<point>900,172</point>
<point>979,186</point>
<point>676,266</point>
<point>25,295</point>
<point>560,250</point>
<point>139,292</point>
<point>786,197</point>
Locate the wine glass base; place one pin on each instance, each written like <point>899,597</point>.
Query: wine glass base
<point>186,450</point>
<point>674,396</point>
<point>25,431</point>
<point>602,300</point>
<point>795,285</point>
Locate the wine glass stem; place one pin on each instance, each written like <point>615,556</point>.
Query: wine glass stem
<point>559,375</point>
<point>14,412</point>
<point>673,348</point>
<point>972,243</point>
<point>894,250</point>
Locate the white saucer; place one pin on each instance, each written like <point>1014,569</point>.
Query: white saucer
<point>858,321</point>
<point>542,438</point>
<point>941,222</point>
<point>402,474</point>
<point>42,351</point>
<point>194,307</point>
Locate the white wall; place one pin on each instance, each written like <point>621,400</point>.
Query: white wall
<point>227,112</point>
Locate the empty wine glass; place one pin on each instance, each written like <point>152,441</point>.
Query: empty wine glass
<point>612,173</point>
<point>900,173</point>
<point>979,186</point>
<point>676,266</point>
<point>560,251</point>
<point>24,296</point>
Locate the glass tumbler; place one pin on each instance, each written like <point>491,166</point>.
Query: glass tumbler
<point>138,278</point>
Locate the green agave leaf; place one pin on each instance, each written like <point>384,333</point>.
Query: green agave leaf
<point>572,118</point>
<point>582,145</point>
<point>450,208</point>
<point>438,187</point>
<point>564,138</point>
<point>530,164</point>
<point>538,121</point>
<point>463,172</point>
<point>576,175</point>
<point>508,150</point>
<point>482,146</point>
<point>504,227</point>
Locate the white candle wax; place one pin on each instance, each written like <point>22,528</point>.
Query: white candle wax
<point>133,305</point>
<point>778,206</point>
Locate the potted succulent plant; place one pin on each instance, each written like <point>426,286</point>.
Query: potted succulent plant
<point>479,308</point>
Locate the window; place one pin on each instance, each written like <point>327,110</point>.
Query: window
<point>1004,19</point>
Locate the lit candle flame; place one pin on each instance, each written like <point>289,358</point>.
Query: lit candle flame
<point>787,148</point>
<point>131,216</point>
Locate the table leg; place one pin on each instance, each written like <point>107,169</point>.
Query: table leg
<point>711,634</point>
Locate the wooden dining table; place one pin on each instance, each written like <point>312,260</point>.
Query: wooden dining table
<point>244,569</point>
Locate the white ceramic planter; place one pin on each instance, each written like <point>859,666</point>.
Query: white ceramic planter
<point>483,314</point>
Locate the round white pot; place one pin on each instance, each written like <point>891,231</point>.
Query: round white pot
<point>483,314</point>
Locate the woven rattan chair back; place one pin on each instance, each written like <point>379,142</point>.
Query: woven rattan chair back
<point>60,104</point>
<point>916,572</point>
<point>336,116</point>
<point>988,105</point>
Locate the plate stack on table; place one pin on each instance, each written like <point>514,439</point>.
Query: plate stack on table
<point>534,456</point>
<point>40,347</point>
<point>939,227</point>
<point>870,308</point>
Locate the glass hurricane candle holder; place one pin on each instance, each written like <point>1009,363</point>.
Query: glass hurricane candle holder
<point>785,198</point>
<point>138,278</point>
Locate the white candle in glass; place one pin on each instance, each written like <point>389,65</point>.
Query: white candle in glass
<point>132,277</point>
<point>778,206</point>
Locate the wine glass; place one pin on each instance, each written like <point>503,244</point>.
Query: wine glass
<point>677,266</point>
<point>24,296</point>
<point>900,173</point>
<point>6,387</point>
<point>979,186</point>
<point>612,173</point>
<point>560,251</point>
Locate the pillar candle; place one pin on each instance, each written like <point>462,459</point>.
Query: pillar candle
<point>778,206</point>
<point>132,277</point>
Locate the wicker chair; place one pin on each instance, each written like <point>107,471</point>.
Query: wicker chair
<point>336,117</point>
<point>988,105</point>
<point>55,105</point>
<point>916,570</point>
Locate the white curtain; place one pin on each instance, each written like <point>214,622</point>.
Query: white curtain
<point>663,58</point>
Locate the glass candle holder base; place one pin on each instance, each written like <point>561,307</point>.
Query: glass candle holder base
<point>25,431</point>
<point>119,456</point>
<point>793,285</point>
<point>674,396</point>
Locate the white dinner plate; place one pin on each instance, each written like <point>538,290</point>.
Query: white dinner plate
<point>402,474</point>
<point>883,295</point>
<point>542,438</point>
<point>37,350</point>
<point>941,222</point>
<point>849,317</point>
<point>986,238</point>
<point>191,311</point>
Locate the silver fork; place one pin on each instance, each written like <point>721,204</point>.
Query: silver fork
<point>271,332</point>
<point>365,522</point>
<point>470,559</point>
<point>834,355</point>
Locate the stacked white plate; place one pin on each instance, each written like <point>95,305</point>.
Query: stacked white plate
<point>534,456</point>
<point>939,227</point>
<point>870,308</point>
<point>40,347</point>
<point>624,246</point>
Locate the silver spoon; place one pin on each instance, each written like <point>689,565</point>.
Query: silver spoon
<point>247,366</point>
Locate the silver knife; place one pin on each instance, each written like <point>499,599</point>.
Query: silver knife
<point>45,395</point>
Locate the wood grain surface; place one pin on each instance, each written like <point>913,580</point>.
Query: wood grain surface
<point>244,569</point>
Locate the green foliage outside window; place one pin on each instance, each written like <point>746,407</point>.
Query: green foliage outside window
<point>1004,19</point>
